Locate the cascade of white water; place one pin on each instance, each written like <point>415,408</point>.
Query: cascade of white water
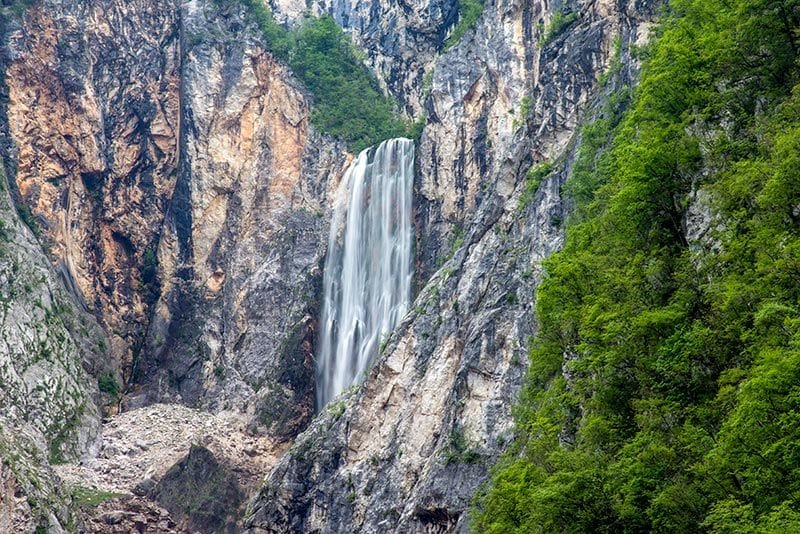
<point>369,267</point>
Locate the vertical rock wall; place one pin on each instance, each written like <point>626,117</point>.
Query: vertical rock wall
<point>93,121</point>
<point>169,163</point>
<point>407,450</point>
<point>48,402</point>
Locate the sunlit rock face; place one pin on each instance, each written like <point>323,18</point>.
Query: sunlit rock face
<point>169,162</point>
<point>95,136</point>
<point>369,265</point>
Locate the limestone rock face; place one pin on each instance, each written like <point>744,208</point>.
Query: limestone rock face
<point>244,239</point>
<point>169,162</point>
<point>94,136</point>
<point>48,403</point>
<point>510,83</point>
<point>407,450</point>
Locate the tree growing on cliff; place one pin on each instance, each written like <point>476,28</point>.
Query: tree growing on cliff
<point>676,408</point>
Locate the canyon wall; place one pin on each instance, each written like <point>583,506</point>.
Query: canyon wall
<point>168,160</point>
<point>407,450</point>
<point>182,195</point>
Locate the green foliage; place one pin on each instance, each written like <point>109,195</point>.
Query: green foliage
<point>458,450</point>
<point>533,179</point>
<point>85,497</point>
<point>62,436</point>
<point>219,371</point>
<point>616,61</point>
<point>458,240</point>
<point>107,383</point>
<point>427,84</point>
<point>27,217</point>
<point>414,128</point>
<point>561,21</point>
<point>149,266</point>
<point>469,11</point>
<point>664,384</point>
<point>337,409</point>
<point>347,102</point>
<point>525,106</point>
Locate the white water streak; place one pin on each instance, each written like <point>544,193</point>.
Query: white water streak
<point>369,267</point>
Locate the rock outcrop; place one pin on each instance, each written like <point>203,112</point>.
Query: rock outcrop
<point>169,162</point>
<point>407,450</point>
<point>48,401</point>
<point>202,490</point>
<point>241,263</point>
<point>401,39</point>
<point>94,135</point>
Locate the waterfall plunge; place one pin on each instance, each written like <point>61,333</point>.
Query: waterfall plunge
<point>368,271</point>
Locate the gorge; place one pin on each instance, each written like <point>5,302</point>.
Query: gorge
<point>399,266</point>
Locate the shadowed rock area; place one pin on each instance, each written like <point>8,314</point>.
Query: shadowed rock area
<point>201,490</point>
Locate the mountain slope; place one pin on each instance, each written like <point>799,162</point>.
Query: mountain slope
<point>407,450</point>
<point>662,387</point>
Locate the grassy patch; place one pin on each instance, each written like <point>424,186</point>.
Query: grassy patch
<point>107,383</point>
<point>533,179</point>
<point>469,11</point>
<point>458,450</point>
<point>86,497</point>
<point>561,21</point>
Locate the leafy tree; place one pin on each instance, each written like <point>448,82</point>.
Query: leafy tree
<point>664,382</point>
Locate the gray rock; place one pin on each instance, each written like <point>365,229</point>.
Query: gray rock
<point>408,449</point>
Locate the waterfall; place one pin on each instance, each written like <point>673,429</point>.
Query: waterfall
<point>368,270</point>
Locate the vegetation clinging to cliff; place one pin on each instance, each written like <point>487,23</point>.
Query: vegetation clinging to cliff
<point>469,11</point>
<point>348,103</point>
<point>664,387</point>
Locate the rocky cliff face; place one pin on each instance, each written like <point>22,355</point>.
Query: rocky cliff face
<point>94,138</point>
<point>401,39</point>
<point>241,264</point>
<point>168,162</point>
<point>48,404</point>
<point>407,450</point>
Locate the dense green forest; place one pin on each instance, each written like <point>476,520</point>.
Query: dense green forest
<point>664,385</point>
<point>347,102</point>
